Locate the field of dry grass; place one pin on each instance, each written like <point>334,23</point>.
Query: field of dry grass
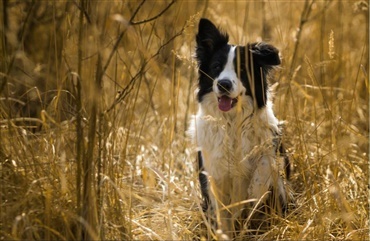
<point>96,96</point>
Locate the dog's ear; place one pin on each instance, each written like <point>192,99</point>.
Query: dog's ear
<point>209,37</point>
<point>264,57</point>
<point>265,54</point>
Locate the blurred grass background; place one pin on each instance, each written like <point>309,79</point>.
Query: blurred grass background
<point>95,99</point>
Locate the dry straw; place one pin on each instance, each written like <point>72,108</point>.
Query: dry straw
<point>95,97</point>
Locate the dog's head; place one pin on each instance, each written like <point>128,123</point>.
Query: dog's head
<point>228,72</point>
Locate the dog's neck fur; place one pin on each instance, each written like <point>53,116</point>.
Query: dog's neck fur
<point>235,135</point>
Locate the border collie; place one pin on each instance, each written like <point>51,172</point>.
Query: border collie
<point>235,129</point>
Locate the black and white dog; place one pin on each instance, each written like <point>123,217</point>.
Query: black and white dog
<point>235,129</point>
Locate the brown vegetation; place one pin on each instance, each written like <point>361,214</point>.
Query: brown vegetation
<point>95,98</point>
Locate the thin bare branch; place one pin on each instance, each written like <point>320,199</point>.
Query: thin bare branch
<point>129,86</point>
<point>152,18</point>
<point>136,11</point>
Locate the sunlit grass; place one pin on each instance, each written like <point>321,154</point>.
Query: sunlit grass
<point>143,182</point>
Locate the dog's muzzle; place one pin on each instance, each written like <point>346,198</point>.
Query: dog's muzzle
<point>225,102</point>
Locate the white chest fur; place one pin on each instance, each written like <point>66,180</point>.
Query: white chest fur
<point>227,140</point>
<point>237,145</point>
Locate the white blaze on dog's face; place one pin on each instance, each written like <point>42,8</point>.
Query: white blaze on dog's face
<point>227,86</point>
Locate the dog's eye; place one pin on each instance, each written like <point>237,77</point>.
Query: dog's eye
<point>216,67</point>
<point>240,71</point>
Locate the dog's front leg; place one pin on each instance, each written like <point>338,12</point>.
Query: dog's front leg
<point>262,177</point>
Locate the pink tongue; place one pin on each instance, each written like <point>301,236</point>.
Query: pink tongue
<point>224,103</point>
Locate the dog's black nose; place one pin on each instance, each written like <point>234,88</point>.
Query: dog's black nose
<point>224,85</point>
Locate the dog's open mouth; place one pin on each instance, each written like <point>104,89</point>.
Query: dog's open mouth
<point>225,103</point>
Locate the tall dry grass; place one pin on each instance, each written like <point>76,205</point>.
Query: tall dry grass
<point>96,97</point>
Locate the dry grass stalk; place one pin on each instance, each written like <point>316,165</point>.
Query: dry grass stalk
<point>93,122</point>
